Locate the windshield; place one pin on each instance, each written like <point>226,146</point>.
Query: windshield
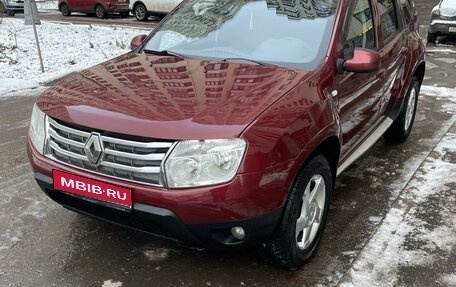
<point>448,3</point>
<point>285,33</point>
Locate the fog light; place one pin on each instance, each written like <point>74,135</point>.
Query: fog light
<point>238,232</point>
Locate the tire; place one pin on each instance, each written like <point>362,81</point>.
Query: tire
<point>124,14</point>
<point>100,12</point>
<point>308,204</point>
<point>399,131</point>
<point>65,10</point>
<point>431,37</point>
<point>140,12</point>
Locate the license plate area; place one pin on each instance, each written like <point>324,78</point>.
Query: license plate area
<point>452,29</point>
<point>92,190</point>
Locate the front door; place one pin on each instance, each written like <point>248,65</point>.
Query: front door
<point>358,93</point>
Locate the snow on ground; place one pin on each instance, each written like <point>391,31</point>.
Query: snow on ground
<point>408,236</point>
<point>440,93</point>
<point>420,230</point>
<point>43,5</point>
<point>65,48</point>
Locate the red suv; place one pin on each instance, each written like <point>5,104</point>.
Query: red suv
<point>101,8</point>
<point>227,126</point>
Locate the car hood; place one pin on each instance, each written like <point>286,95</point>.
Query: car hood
<point>448,9</point>
<point>168,97</point>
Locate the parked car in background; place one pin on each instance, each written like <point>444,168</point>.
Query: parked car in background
<point>443,20</point>
<point>143,9</point>
<point>11,6</point>
<point>227,126</point>
<point>100,8</point>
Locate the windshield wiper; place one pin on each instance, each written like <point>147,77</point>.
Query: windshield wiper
<point>163,53</point>
<point>249,60</point>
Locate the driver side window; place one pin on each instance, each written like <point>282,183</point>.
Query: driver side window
<point>361,32</point>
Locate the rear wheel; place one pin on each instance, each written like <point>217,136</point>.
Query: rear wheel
<point>100,12</point>
<point>65,10</point>
<point>140,12</point>
<point>399,131</point>
<point>124,14</point>
<point>304,217</point>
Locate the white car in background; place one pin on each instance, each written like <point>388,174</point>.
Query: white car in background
<point>11,6</point>
<point>142,9</point>
<point>443,20</point>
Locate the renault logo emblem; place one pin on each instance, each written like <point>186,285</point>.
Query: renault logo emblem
<point>94,148</point>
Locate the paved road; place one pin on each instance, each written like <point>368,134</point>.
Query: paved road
<point>42,244</point>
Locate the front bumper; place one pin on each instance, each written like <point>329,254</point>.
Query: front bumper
<point>164,223</point>
<point>445,27</point>
<point>198,217</point>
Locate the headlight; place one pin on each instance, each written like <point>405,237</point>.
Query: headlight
<point>200,163</point>
<point>436,12</point>
<point>37,131</point>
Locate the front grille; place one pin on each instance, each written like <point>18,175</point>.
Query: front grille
<point>137,161</point>
<point>451,18</point>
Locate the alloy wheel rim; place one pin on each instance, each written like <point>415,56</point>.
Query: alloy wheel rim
<point>410,109</point>
<point>99,11</point>
<point>312,210</point>
<point>140,12</point>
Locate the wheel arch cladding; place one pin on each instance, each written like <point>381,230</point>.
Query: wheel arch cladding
<point>137,3</point>
<point>330,149</point>
<point>98,4</point>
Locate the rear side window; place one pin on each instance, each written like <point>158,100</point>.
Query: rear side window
<point>361,28</point>
<point>388,17</point>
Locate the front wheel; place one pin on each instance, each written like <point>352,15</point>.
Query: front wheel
<point>304,217</point>
<point>100,12</point>
<point>65,10</point>
<point>140,12</point>
<point>399,131</point>
<point>431,37</point>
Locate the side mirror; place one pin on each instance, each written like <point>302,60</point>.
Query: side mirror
<point>363,61</point>
<point>136,41</point>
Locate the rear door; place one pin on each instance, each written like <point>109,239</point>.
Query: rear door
<point>393,52</point>
<point>77,5</point>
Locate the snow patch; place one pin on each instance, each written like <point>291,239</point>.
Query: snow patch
<point>65,49</point>
<point>157,255</point>
<point>351,253</point>
<point>375,219</point>
<point>449,280</point>
<point>110,283</point>
<point>408,236</point>
<point>442,92</point>
<point>47,5</point>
